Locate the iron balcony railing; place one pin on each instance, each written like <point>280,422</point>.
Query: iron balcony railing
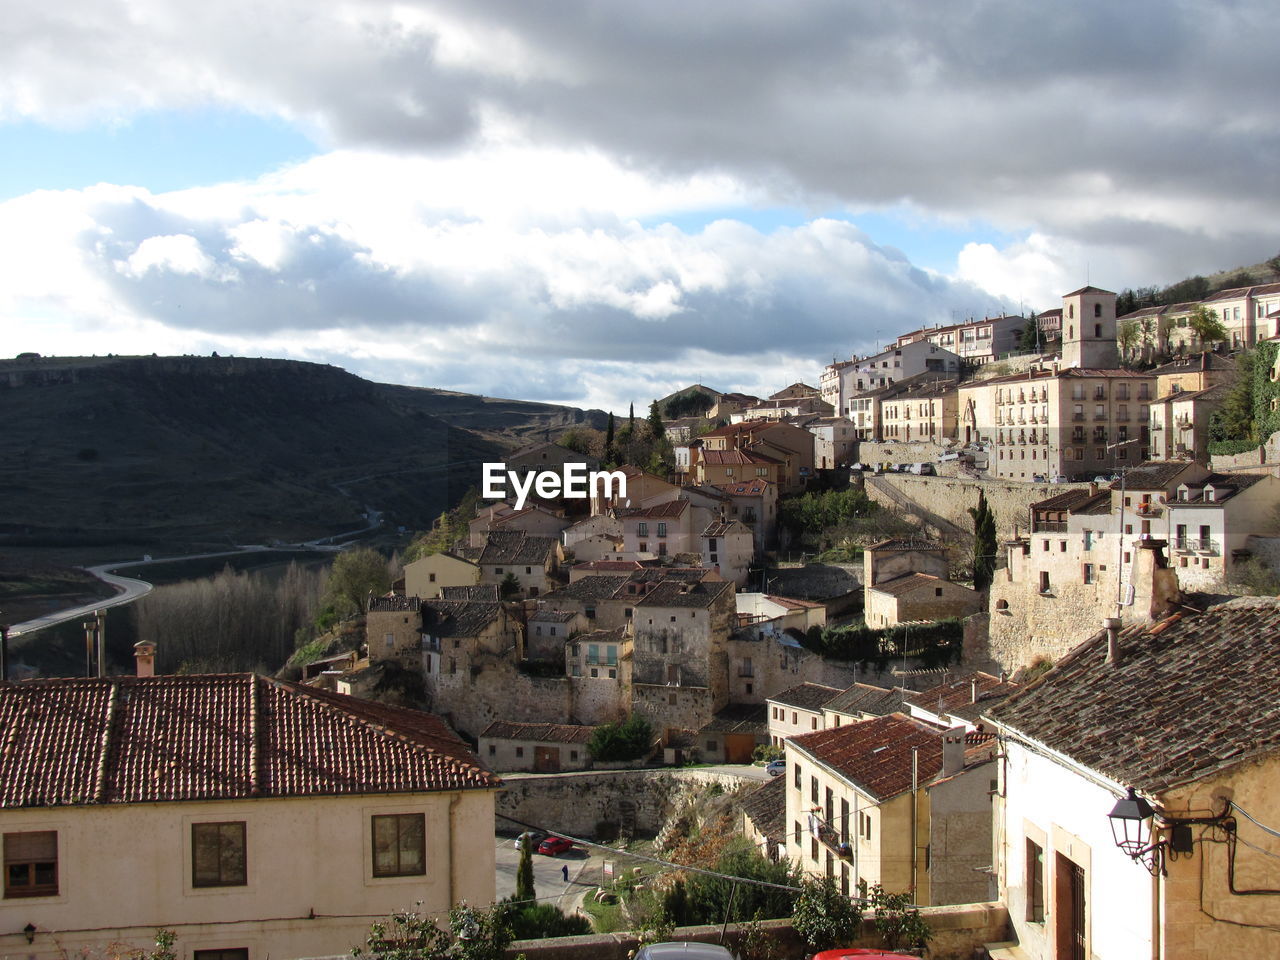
<point>1205,545</point>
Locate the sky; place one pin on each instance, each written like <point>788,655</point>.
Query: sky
<point>595,203</point>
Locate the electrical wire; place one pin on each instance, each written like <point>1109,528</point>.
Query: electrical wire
<point>1261,826</point>
<point>667,863</point>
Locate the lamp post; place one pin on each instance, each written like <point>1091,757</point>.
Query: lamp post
<point>1133,827</point>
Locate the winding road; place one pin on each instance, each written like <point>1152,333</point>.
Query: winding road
<point>132,588</point>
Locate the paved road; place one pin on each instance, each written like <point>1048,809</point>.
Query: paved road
<point>131,588</point>
<point>548,874</point>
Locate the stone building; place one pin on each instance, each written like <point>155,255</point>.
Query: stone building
<point>927,410</point>
<point>918,597</point>
<point>798,710</point>
<point>427,576</point>
<point>535,747</point>
<point>534,561</point>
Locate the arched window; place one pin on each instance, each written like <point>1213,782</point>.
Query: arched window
<point>1097,330</point>
<point>1097,309</point>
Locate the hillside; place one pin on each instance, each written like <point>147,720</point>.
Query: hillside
<point>159,453</point>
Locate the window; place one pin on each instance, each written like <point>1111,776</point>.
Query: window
<point>497,570</point>
<point>712,746</point>
<point>642,529</point>
<point>390,640</point>
<point>431,578</point>
<point>573,754</point>
<point>519,751</point>
<point>813,789</point>
<point>1044,581</point>
<point>796,768</point>
<point>1089,575</point>
<point>937,591</point>
<point>399,845</point>
<point>238,953</point>
<point>218,854</point>
<point>1035,882</point>
<point>796,826</point>
<point>662,529</point>
<point>492,749</point>
<point>31,864</point>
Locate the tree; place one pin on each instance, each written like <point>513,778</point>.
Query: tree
<point>1029,335</point>
<point>825,917</point>
<point>1148,327</point>
<point>655,421</point>
<point>509,587</point>
<point>629,740</point>
<point>524,872</point>
<point>409,935</point>
<point>353,577</point>
<point>1206,326</point>
<point>984,543</point>
<point>609,455</point>
<point>1128,336</point>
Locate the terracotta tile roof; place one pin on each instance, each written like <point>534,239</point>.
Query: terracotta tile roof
<point>955,697</point>
<point>1225,485</point>
<point>1154,475</point>
<point>151,739</point>
<point>1197,363</point>
<point>1191,695</point>
<point>449,618</point>
<point>740,718</point>
<point>806,696</point>
<point>622,566</point>
<point>722,528</point>
<point>542,732</point>
<point>658,511</point>
<point>908,582</point>
<point>1235,293</point>
<point>552,616</point>
<point>866,698</point>
<point>677,593</point>
<point>766,807</point>
<point>735,458</point>
<point>755,487</point>
<point>1088,290</point>
<point>516,547</point>
<point>1069,500</point>
<point>485,592</point>
<point>793,604</point>
<point>904,544</point>
<point>875,755</point>
<point>394,603</point>
<point>593,587</point>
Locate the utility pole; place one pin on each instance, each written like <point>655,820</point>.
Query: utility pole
<point>4,652</point>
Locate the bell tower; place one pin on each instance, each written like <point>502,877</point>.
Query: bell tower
<point>1089,329</point>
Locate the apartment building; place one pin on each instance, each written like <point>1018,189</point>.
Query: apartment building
<point>791,448</point>
<point>926,410</point>
<point>842,380</point>
<point>976,341</point>
<point>1210,520</point>
<point>1060,422</point>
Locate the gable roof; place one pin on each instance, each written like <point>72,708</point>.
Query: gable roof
<point>219,737</point>
<point>516,547</point>
<point>766,807</point>
<point>1154,474</point>
<point>682,593</point>
<point>544,732</point>
<point>735,458</point>
<point>1087,290</point>
<point>453,618</point>
<point>806,696</point>
<point>907,583</point>
<point>657,511</point>
<point>875,755</point>
<point>955,698</point>
<point>866,698</point>
<point>485,592</point>
<point>1186,699</point>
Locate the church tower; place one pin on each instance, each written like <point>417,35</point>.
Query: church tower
<point>1089,329</point>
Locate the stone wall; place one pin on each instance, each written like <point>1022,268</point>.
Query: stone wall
<point>574,803</point>
<point>919,451</point>
<point>673,707</point>
<point>958,934</point>
<point>472,699</point>
<point>1265,456</point>
<point>950,499</point>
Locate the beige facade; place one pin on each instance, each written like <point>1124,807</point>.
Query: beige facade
<point>790,447</point>
<point>1054,422</point>
<point>1089,329</point>
<point>427,576</point>
<point>300,898</point>
<point>1209,521</point>
<point>977,341</point>
<point>930,413</point>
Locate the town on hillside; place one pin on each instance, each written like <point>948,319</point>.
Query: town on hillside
<point>973,647</point>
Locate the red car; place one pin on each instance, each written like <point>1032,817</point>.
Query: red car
<point>861,953</point>
<point>554,846</point>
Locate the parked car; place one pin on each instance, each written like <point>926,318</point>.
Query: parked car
<point>776,768</point>
<point>683,951</point>
<point>860,953</point>
<point>1104,478</point>
<point>1059,479</point>
<point>1038,478</point>
<point>531,837</point>
<point>922,470</point>
<point>554,846</point>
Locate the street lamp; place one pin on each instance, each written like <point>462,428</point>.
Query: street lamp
<point>1133,828</point>
<point>1131,823</point>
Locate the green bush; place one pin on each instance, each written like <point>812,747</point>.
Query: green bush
<point>544,920</point>
<point>898,922</point>
<point>631,739</point>
<point>936,644</point>
<point>824,917</point>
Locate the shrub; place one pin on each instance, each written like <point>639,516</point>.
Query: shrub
<point>629,740</point>
<point>825,917</point>
<point>543,920</point>
<point>898,922</point>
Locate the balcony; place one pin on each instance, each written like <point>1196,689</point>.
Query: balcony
<point>1049,526</point>
<point>1205,546</point>
<point>1100,416</point>
<point>1148,509</point>
<point>1078,417</point>
<point>600,660</point>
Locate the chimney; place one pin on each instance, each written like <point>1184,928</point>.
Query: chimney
<point>973,690</point>
<point>1112,626</point>
<point>144,652</point>
<point>952,751</point>
<point>4,652</point>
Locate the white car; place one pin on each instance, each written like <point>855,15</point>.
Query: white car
<point>683,951</point>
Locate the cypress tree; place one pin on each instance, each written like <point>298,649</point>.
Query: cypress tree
<point>608,441</point>
<point>984,543</point>
<point>524,873</point>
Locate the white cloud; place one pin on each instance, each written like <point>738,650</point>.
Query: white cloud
<point>180,254</point>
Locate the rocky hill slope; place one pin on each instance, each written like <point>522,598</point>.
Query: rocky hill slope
<point>153,453</point>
